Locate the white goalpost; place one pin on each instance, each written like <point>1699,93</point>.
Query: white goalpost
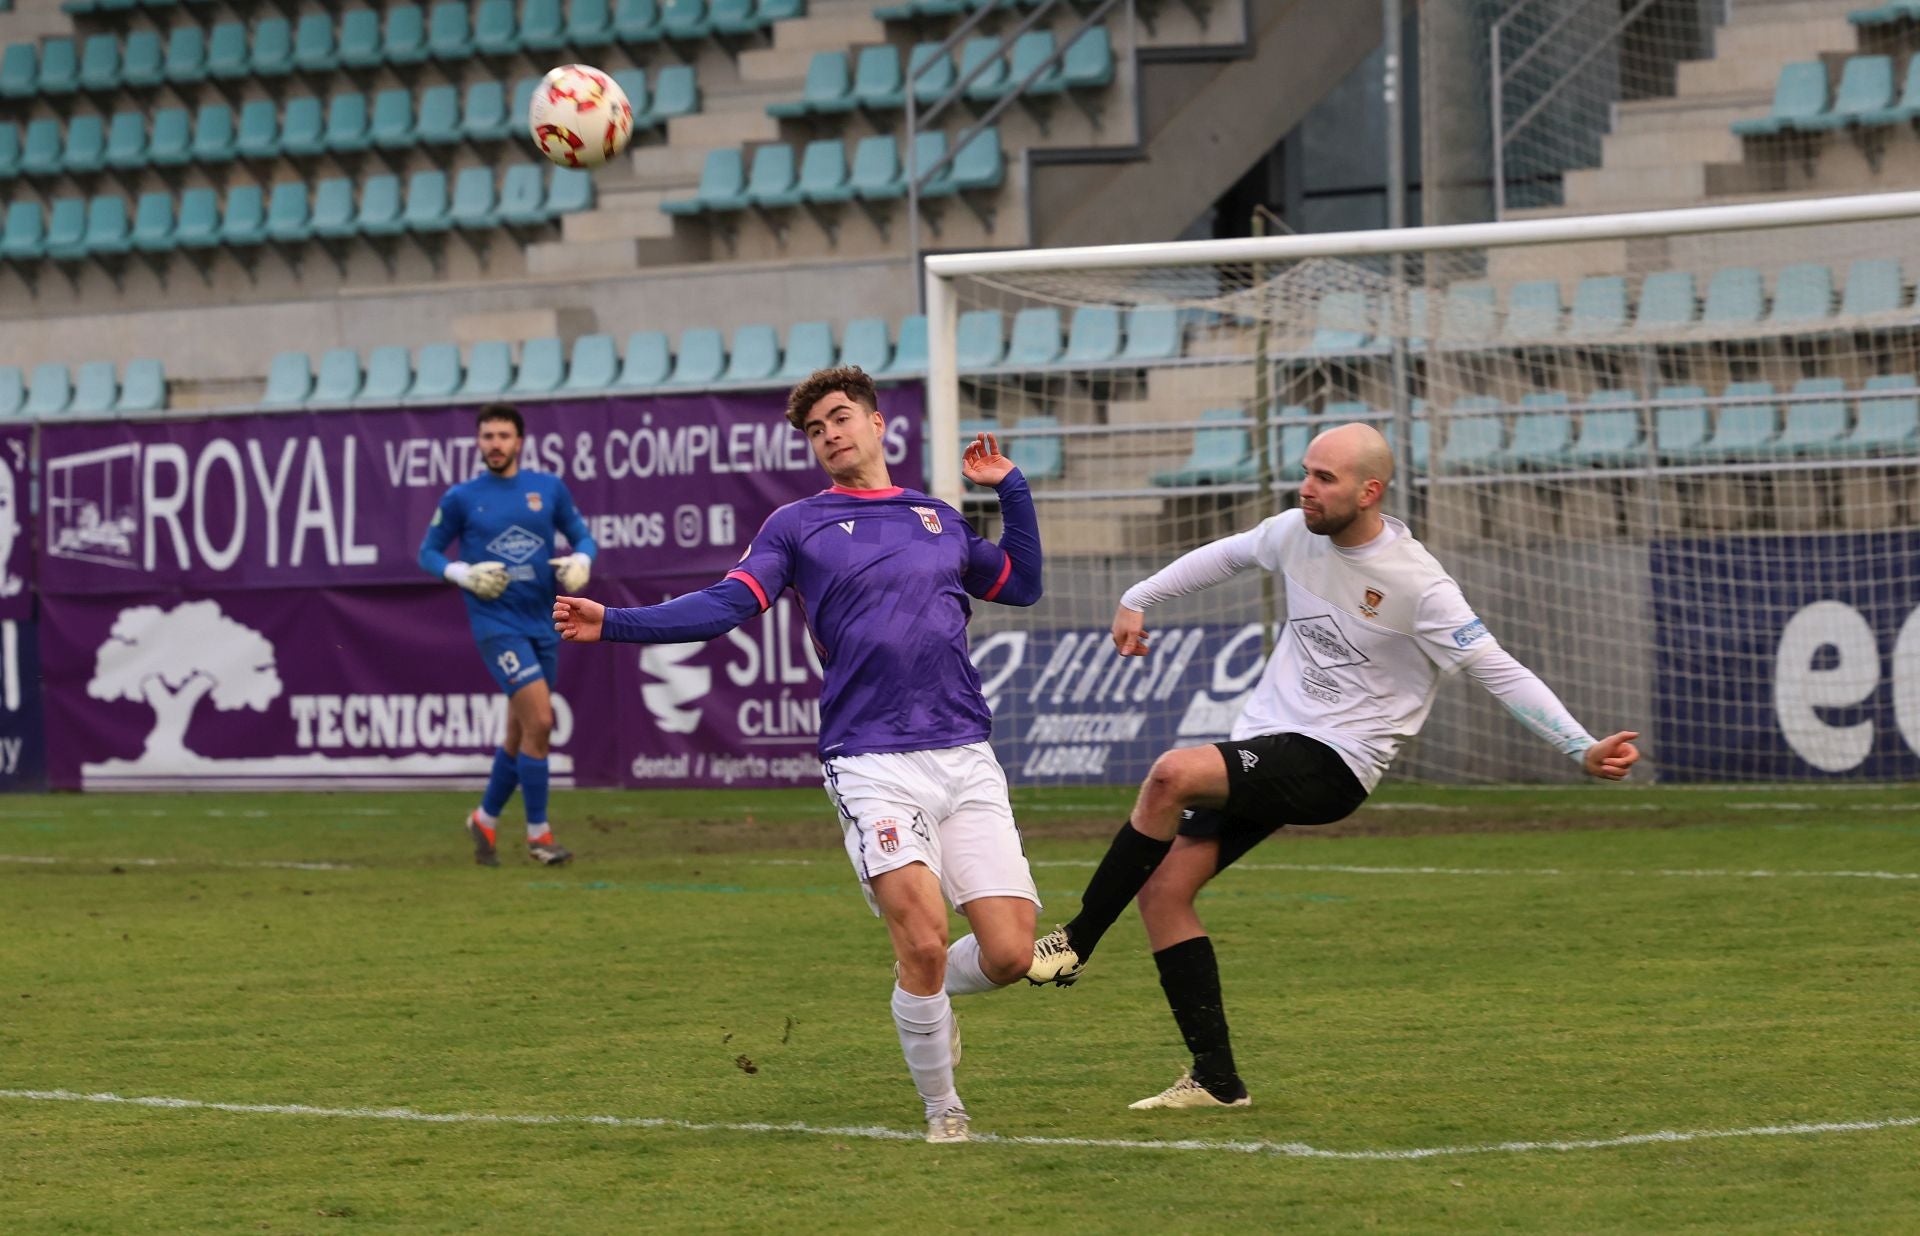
<point>1670,456</point>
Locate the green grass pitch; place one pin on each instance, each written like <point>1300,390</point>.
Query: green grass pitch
<point>1521,982</point>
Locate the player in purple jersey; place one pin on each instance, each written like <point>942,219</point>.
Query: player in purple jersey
<point>884,575</point>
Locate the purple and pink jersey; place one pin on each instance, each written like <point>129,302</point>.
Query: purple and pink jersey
<point>884,578</point>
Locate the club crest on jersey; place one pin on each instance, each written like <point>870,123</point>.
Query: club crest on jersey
<point>888,835</point>
<point>1370,603</point>
<point>929,517</point>
<point>533,502</point>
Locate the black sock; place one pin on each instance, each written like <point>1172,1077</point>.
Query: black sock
<point>1116,881</point>
<point>1191,978</point>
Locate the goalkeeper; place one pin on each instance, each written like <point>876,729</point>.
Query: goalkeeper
<point>508,516</point>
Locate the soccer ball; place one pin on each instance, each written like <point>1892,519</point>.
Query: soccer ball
<point>580,117</point>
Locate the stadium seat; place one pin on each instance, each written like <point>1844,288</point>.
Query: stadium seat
<point>1343,322</point>
<point>910,347</point>
<point>636,21</point>
<point>289,380</point>
<point>449,35</point>
<point>227,56</point>
<point>569,190</point>
<point>930,75</point>
<point>876,169</point>
<point>302,128</point>
<point>100,63</point>
<point>347,124</point>
<point>50,391</point>
<point>1027,62</point>
<point>1744,431</point>
<point>67,229</point>
<point>877,83</point>
<point>1542,432</point>
<point>755,356</point>
<point>732,17</point>
<point>1666,301</point>
<point>95,389</point>
<point>1734,297</point>
<point>684,19</point>
<point>489,369</point>
<point>272,48</point>
<point>389,375</point>
<point>484,118</point>
<point>647,362</point>
<point>1599,306</point>
<point>1153,333</point>
<point>1893,113</point>
<point>392,127</point>
<point>701,360</point>
<point>633,83</point>
<point>1873,287</point>
<point>823,172</point>
<point>287,213</point>
<point>405,40</point>
<point>170,144</point>
<point>86,145</point>
<point>542,26</point>
<point>1802,293</point>
<point>595,365</point>
<point>108,234</point>
<point>495,32</point>
<point>722,185</point>
<point>427,206</point>
<point>313,44</point>
<point>1035,338</point>
<point>473,204</point>
<point>1800,93</point>
<point>143,387</point>
<point>1220,455</point>
<point>59,68</point>
<point>983,69</point>
<point>772,180</point>
<point>360,44</point>
<point>380,208</point>
<point>153,223</point>
<point>1887,424</point>
<point>243,222</point>
<point>24,237</point>
<point>1866,87</point>
<point>1476,437</point>
<point>44,150</point>
<point>827,89</point>
<point>1680,428</point>
<point>338,381</point>
<point>438,374</point>
<point>1815,426</point>
<point>213,140</point>
<point>10,146</point>
<point>809,347</point>
<point>979,165</point>
<point>1088,64</point>
<point>1042,458</point>
<point>259,134</point>
<point>979,340</point>
<point>1468,315</point>
<point>126,142</point>
<point>589,23</point>
<point>13,392</point>
<point>772,11</point>
<point>1094,337</point>
<point>142,61</point>
<point>676,92</point>
<point>1533,311</point>
<point>1609,435</point>
<point>439,120</point>
<point>199,223</point>
<point>19,71</point>
<point>543,365</point>
<point>864,343</point>
<point>523,196</point>
<point>186,61</point>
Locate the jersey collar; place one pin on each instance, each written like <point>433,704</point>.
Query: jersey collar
<point>892,491</point>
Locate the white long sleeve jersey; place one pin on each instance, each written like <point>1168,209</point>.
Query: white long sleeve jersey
<point>1370,632</point>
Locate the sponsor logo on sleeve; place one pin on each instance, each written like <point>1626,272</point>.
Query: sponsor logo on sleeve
<point>1467,636</point>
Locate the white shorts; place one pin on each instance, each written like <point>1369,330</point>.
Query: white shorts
<point>946,808</point>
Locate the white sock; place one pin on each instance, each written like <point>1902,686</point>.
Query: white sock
<point>964,975</point>
<point>924,1023</point>
<point>486,821</point>
<point>536,831</point>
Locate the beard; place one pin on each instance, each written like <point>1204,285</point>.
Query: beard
<point>1329,523</point>
<point>506,461</point>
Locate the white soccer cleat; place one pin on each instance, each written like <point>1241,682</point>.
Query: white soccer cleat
<point>1187,1093</point>
<point>1054,961</point>
<point>947,1127</point>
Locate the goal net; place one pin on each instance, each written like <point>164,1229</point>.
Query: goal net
<point>1671,459</point>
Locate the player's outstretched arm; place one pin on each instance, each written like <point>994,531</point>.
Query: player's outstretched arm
<point>578,619</point>
<point>688,619</point>
<point>1197,569</point>
<point>1130,632</point>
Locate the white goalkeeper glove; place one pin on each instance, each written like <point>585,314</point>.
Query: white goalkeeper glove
<point>571,572</point>
<point>486,580</point>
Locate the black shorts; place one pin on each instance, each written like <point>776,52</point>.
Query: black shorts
<point>1274,780</point>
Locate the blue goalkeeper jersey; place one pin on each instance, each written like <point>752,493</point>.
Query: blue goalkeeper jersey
<point>511,520</point>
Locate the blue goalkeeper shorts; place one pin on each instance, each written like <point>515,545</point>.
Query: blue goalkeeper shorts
<point>516,660</point>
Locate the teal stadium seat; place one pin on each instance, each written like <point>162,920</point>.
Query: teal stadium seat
<point>823,172</point>
<point>930,74</point>
<point>595,365</point>
<point>1088,64</point>
<point>1802,293</point>
<point>427,207</point>
<point>439,120</point>
<point>484,118</point>
<point>1035,338</point>
<point>495,31</point>
<point>287,213</point>
<point>809,347</point>
<point>405,39</point>
<point>44,150</point>
<point>272,48</point>
<point>569,191</point>
<point>259,135</point>
<point>1610,434</point>
<point>1599,306</point>
<point>449,36</point>
<point>983,69</point>
<point>313,50</point>
<point>1680,429</point>
<point>910,348</point>
<point>289,380</point>
<point>1902,112</point>
<point>1222,454</point>
<point>1468,315</point>
<point>980,340</point>
<point>438,373</point>
<point>10,147</point>
<point>126,141</point>
<point>100,63</point>
<point>186,61</point>
<point>1800,93</point>
<point>142,61</point>
<point>213,139</point>
<point>876,169</point>
<point>773,11</point>
<point>199,223</point>
<point>1667,302</point>
<point>380,209</point>
<point>96,389</point>
<point>701,360</point>
<point>338,381</point>
<point>489,369</point>
<point>59,68</point>
<point>636,21</point>
<point>1027,66</point>
<point>1154,332</point>
<point>243,222</point>
<point>1542,432</point>
<point>1476,437</point>
<point>722,185</point>
<point>864,343</point>
<point>86,145</point>
<point>1533,311</point>
<point>1043,457</point>
<point>347,124</point>
<point>19,71</point>
<point>67,229</point>
<point>732,17</point>
<point>1094,337</point>
<point>143,387</point>
<point>543,367</point>
<point>1344,322</point>
<point>755,356</point>
<point>928,148</point>
<point>50,391</point>
<point>589,23</point>
<point>543,26</point>
<point>1866,88</point>
<point>108,233</point>
<point>1744,431</point>
<point>227,54</point>
<point>772,180</point>
<point>647,362</point>
<point>389,375</point>
<point>877,83</point>
<point>13,392</point>
<point>523,196</point>
<point>360,44</point>
<point>685,19</point>
<point>473,201</point>
<point>827,87</point>
<point>1814,427</point>
<point>676,92</point>
<point>1887,424</point>
<point>393,120</point>
<point>153,223</point>
<point>980,165</point>
<point>1734,297</point>
<point>1874,286</point>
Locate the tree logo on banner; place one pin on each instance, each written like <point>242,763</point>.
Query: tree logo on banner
<point>170,660</point>
<point>679,684</point>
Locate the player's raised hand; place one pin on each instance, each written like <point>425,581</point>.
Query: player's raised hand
<point>578,619</point>
<point>982,463</point>
<point>1130,632</point>
<point>1612,757</point>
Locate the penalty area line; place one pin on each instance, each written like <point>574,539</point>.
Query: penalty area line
<point>1292,1150</point>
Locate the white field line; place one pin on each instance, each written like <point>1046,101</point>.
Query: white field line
<point>1293,1150</point>
<point>42,860</point>
<point>1342,869</point>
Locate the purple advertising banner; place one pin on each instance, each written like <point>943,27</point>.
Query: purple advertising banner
<point>23,741</point>
<point>669,486</point>
<point>16,539</point>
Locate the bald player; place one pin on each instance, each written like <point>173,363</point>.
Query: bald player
<point>1373,625</point>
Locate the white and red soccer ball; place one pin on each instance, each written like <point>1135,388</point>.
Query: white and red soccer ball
<point>580,117</point>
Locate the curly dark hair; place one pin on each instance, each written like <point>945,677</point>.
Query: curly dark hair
<point>849,380</point>
<point>502,412</point>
